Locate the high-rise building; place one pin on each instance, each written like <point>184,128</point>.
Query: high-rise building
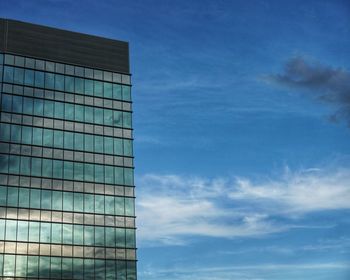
<point>66,158</point>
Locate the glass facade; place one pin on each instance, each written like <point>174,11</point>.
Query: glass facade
<point>66,172</point>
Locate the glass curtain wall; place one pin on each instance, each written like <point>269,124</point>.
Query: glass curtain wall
<point>66,172</point>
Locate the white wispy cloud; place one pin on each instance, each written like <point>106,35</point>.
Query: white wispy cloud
<point>299,192</point>
<point>172,207</point>
<point>244,272</point>
<point>340,245</point>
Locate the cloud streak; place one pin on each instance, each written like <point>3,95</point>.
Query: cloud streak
<point>245,272</point>
<point>323,83</point>
<point>171,209</point>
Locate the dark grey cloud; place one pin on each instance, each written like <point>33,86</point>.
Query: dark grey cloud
<point>321,82</point>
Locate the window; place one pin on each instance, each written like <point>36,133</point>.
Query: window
<point>29,77</point>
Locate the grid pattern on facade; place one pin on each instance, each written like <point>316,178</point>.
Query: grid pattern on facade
<point>66,172</point>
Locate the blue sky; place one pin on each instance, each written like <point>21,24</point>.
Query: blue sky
<point>242,128</point>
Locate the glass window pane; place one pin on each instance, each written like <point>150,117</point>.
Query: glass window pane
<point>59,110</point>
<point>36,166</point>
<point>98,144</point>
<point>108,145</point>
<point>27,105</point>
<point>130,238</point>
<point>120,237</point>
<point>23,229</point>
<point>89,203</point>
<point>25,166</point>
<point>110,270</point>
<point>17,104</point>
<point>117,91</point>
<point>78,202</point>
<point>118,175</point>
<point>56,269</point>
<point>119,206</point>
<point>99,236</point>
<point>68,170</point>
<point>47,168</point>
<point>23,198</point>
<point>107,90</point>
<point>79,141</point>
<point>67,268</point>
<point>26,135</point>
<point>6,103</point>
<point>34,231</point>
<point>15,133</point>
<point>79,85</point>
<point>89,170</point>
<point>78,234</point>
<point>98,114</point>
<point>131,270</point>
<point>117,118</point>
<point>129,176</point>
<point>46,199</point>
<point>14,164</point>
<point>69,84</point>
<point>59,82</point>
<point>58,139</point>
<point>29,77</point>
<point>129,206</point>
<point>127,147</point>
<point>68,140</point>
<point>126,119</point>
<point>89,143</point>
<point>109,175</point>
<point>67,201</point>
<point>44,267</point>
<point>69,112</point>
<point>67,234</point>
<point>33,266</point>
<point>89,235</point>
<point>126,93</point>
<point>8,74</point>
<point>50,80</point>
<point>5,132</point>
<point>34,198</point>
<point>100,269</point>
<point>11,230</point>
<point>57,200</point>
<point>18,76</point>
<point>99,204</point>
<point>108,117</point>
<point>109,205</point>
<point>38,107</point>
<point>57,169</point>
<point>21,266</point>
<point>4,159</point>
<point>79,113</point>
<point>48,138</point>
<point>78,171</point>
<point>3,196</point>
<point>89,114</point>
<point>89,87</point>
<point>37,136</point>
<point>56,233</point>
<point>39,79</point>
<point>45,232</point>
<point>9,265</point>
<point>99,174</point>
<point>48,109</point>
<point>12,197</point>
<point>98,88</point>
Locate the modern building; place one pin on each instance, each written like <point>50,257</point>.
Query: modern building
<point>66,157</point>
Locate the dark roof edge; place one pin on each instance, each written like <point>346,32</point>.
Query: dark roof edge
<point>64,46</point>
